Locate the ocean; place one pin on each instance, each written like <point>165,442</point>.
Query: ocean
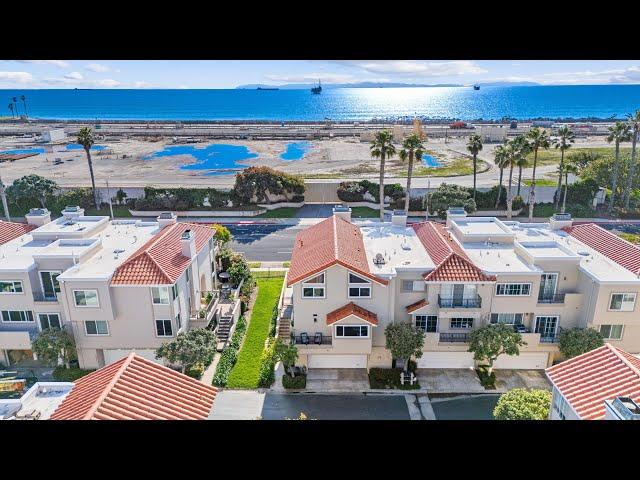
<point>340,104</point>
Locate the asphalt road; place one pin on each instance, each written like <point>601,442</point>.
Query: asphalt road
<point>264,243</point>
<point>335,407</point>
<point>473,407</point>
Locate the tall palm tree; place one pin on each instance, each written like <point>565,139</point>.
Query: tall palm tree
<point>24,103</point>
<point>570,167</point>
<point>500,158</point>
<point>412,147</point>
<point>85,138</point>
<point>11,108</point>
<point>634,125</point>
<point>511,159</point>
<point>537,139</point>
<point>382,148</point>
<point>563,142</point>
<point>620,132</point>
<point>15,105</point>
<point>474,146</point>
<point>522,163</point>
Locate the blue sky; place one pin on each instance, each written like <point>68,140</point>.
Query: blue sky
<point>26,74</point>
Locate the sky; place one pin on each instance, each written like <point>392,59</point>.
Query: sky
<point>26,74</point>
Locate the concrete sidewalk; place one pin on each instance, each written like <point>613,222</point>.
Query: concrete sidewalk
<point>238,405</point>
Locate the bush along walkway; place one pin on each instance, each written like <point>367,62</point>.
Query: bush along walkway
<point>246,372</point>
<point>229,355</point>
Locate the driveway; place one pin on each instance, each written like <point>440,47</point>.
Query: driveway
<point>449,380</point>
<point>508,379</point>
<point>237,405</point>
<point>335,407</point>
<point>337,380</point>
<point>315,210</point>
<point>469,407</point>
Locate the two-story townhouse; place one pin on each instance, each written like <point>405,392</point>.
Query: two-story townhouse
<point>349,281</point>
<point>122,285</point>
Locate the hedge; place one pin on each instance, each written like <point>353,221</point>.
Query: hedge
<point>62,374</point>
<point>259,182</point>
<point>229,355</point>
<point>388,378</point>
<point>354,191</point>
<point>297,382</point>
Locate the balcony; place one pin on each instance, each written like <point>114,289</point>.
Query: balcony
<point>455,302</point>
<point>454,338</point>
<point>44,297</point>
<point>207,309</point>
<point>557,298</point>
<point>311,340</point>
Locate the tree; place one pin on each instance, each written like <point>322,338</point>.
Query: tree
<point>491,341</point>
<point>404,341</point>
<point>522,163</point>
<point>523,404</point>
<point>450,195</point>
<point>32,187</point>
<point>11,108</point>
<point>85,138</point>
<point>24,103</point>
<point>515,151</point>
<point>54,346</point>
<point>261,183</point>
<point>568,168</point>
<point>222,233</point>
<point>619,133</point>
<point>474,146</point>
<point>634,125</point>
<point>412,147</point>
<point>239,270</point>
<point>121,195</point>
<point>287,354</point>
<point>562,142</point>
<point>581,159</point>
<point>195,346</point>
<point>576,341</point>
<point>382,148</point>
<point>537,139</point>
<point>500,160</point>
<point>15,106</point>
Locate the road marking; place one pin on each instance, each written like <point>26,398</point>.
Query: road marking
<point>288,251</point>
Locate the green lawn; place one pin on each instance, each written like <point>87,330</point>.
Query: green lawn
<point>541,182</point>
<point>246,371</point>
<point>552,156</point>
<point>283,212</point>
<point>118,212</point>
<point>459,166</point>
<point>364,212</point>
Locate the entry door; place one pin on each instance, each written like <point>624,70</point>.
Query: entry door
<point>548,284</point>
<point>546,326</point>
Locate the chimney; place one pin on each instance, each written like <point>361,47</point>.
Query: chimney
<point>188,241</point>
<point>166,218</point>
<point>72,212</point>
<point>560,220</point>
<point>455,213</point>
<point>621,408</point>
<point>399,218</point>
<point>38,216</point>
<point>343,211</point>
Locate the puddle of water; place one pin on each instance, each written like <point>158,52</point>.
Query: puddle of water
<point>21,151</point>
<point>296,150</point>
<point>430,161</point>
<point>77,146</point>
<point>214,156</point>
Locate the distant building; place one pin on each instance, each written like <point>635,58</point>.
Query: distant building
<point>53,135</point>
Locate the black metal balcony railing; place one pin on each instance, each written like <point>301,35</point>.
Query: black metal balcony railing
<point>549,339</point>
<point>557,298</point>
<point>454,337</point>
<point>311,340</point>
<point>451,302</point>
<point>42,297</point>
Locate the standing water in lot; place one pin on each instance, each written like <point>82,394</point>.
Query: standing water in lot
<point>296,150</point>
<point>430,161</point>
<point>211,157</point>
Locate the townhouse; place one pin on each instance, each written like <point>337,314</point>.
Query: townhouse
<point>347,282</point>
<point>119,285</point>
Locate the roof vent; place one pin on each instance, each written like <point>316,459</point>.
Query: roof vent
<point>379,259</point>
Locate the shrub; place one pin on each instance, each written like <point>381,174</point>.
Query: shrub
<point>354,191</point>
<point>487,378</point>
<point>576,341</point>
<point>260,182</point>
<point>523,404</point>
<point>229,355</point>
<point>267,365</point>
<point>195,371</point>
<point>297,382</point>
<point>447,196</point>
<point>517,203</point>
<point>487,200</point>
<point>389,378</point>
<point>62,374</point>
<point>189,348</point>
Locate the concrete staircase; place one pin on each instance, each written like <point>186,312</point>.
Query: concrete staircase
<point>223,332</point>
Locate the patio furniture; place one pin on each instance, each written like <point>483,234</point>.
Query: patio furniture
<point>318,338</point>
<point>224,276</point>
<point>304,338</point>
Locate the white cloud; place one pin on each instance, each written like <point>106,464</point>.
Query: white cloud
<point>108,83</point>
<point>97,67</point>
<point>74,76</point>
<point>56,63</point>
<point>19,77</point>
<point>142,85</point>
<point>312,77</point>
<point>415,68</point>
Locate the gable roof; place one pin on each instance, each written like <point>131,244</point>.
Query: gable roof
<point>135,388</point>
<point>333,241</point>
<point>452,263</point>
<point>587,380</point>
<point>351,309</point>
<point>12,230</point>
<point>608,244</point>
<point>417,305</point>
<point>160,260</point>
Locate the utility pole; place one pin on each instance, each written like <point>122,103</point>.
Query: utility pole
<point>4,201</point>
<point>427,205</point>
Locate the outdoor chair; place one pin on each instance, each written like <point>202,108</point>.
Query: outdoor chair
<point>304,338</point>
<point>318,338</point>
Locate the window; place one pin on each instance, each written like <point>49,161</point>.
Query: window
<point>49,320</point>
<point>623,302</point>
<point>164,328</point>
<point>17,316</point>
<point>50,285</point>
<point>174,290</point>
<point>160,295</point>
<point>507,318</point>
<point>413,286</point>
<point>178,321</point>
<point>359,287</point>
<point>611,332</point>
<point>465,323</point>
<point>560,405</point>
<point>513,289</point>
<point>313,287</point>
<point>86,298</point>
<point>427,323</point>
<point>352,331</point>
<point>96,327</point>
<point>11,286</point>
<point>188,274</point>
<point>546,326</point>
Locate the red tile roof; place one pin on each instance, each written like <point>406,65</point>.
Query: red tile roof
<point>135,388</point>
<point>352,309</point>
<point>587,380</point>
<point>11,230</point>
<point>415,306</point>
<point>609,244</point>
<point>160,260</point>
<point>334,241</point>
<point>452,263</point>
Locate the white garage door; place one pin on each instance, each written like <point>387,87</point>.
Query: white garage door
<point>113,355</point>
<point>524,361</point>
<point>337,361</point>
<point>446,360</point>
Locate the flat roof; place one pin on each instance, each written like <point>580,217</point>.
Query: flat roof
<point>498,258</point>
<point>400,246</point>
<point>549,250</point>
<point>480,226</point>
<point>79,226</point>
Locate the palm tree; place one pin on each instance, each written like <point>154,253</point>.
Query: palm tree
<point>500,158</point>
<point>511,159</point>
<point>568,168</point>
<point>412,147</point>
<point>563,141</point>
<point>537,139</point>
<point>382,148</point>
<point>15,105</point>
<point>620,132</point>
<point>634,125</point>
<point>522,163</point>
<point>85,138</point>
<point>24,103</point>
<point>474,145</point>
<point>11,108</point>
